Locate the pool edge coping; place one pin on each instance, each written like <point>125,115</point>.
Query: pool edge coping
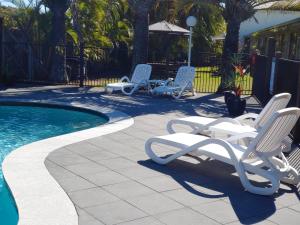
<point>47,203</point>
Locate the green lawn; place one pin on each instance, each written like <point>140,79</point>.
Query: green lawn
<point>207,80</point>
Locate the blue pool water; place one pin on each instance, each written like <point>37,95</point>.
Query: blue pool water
<point>20,125</point>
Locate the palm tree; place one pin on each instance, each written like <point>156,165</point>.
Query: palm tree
<point>25,18</point>
<point>140,9</point>
<point>164,10</point>
<point>58,10</point>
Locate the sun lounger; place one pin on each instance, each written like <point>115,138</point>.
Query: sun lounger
<point>140,78</point>
<point>263,156</point>
<point>182,84</point>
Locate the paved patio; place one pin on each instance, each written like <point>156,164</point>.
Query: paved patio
<point>111,180</point>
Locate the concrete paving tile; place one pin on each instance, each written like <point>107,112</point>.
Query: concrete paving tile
<point>67,159</point>
<point>219,211</point>
<point>83,147</point>
<point>83,216</point>
<point>125,150</point>
<point>138,144</point>
<point>117,163</point>
<point>120,136</point>
<point>99,141</point>
<point>106,178</point>
<point>99,156</point>
<point>264,222</point>
<point>75,184</point>
<point>139,172</point>
<point>58,172</point>
<point>285,216</point>
<point>142,135</point>
<point>128,189</point>
<point>295,207</point>
<point>256,206</point>
<point>286,199</point>
<point>116,212</point>
<point>92,197</point>
<point>154,203</point>
<point>184,216</point>
<point>86,168</point>
<point>161,183</point>
<point>92,222</point>
<point>190,198</point>
<point>112,146</point>
<point>61,152</point>
<point>143,221</point>
<point>138,157</point>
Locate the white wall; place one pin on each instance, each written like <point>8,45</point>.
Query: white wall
<point>266,19</point>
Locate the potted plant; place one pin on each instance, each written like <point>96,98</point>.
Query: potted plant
<point>235,104</point>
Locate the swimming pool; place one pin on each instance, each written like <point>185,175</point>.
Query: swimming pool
<point>23,124</point>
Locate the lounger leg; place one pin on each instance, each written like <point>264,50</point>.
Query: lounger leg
<point>170,127</point>
<point>109,90</point>
<point>131,91</point>
<point>275,182</point>
<point>193,91</point>
<point>291,176</point>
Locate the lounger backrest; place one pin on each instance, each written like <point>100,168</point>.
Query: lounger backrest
<point>185,74</point>
<point>276,103</point>
<point>141,72</point>
<point>269,139</point>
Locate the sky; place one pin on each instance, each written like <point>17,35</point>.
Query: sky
<point>6,3</point>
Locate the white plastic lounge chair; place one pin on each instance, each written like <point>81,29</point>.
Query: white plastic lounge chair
<point>262,157</point>
<point>201,124</point>
<point>183,83</point>
<point>140,78</point>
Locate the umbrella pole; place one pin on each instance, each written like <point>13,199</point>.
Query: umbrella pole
<point>190,46</point>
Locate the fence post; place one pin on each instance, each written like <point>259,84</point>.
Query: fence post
<point>81,59</point>
<point>272,82</point>
<point>30,63</point>
<point>297,127</point>
<point>270,75</point>
<point>1,47</point>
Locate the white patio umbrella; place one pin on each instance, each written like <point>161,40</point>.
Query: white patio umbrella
<point>165,27</point>
<point>168,29</point>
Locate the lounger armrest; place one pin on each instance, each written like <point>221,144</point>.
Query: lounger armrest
<point>143,82</point>
<point>167,83</point>
<point>246,116</point>
<point>241,136</point>
<point>125,78</point>
<point>224,143</point>
<point>223,119</point>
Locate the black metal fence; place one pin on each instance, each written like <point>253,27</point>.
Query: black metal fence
<point>24,62</point>
<point>276,75</point>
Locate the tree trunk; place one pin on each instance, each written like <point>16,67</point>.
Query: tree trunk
<point>231,45</point>
<point>58,65</point>
<point>141,37</point>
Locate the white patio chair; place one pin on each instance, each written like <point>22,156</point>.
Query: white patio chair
<point>139,79</point>
<point>201,124</point>
<point>183,83</point>
<point>262,157</point>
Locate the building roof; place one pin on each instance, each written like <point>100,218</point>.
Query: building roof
<point>265,19</point>
<point>297,20</point>
<point>165,27</point>
<point>284,5</point>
